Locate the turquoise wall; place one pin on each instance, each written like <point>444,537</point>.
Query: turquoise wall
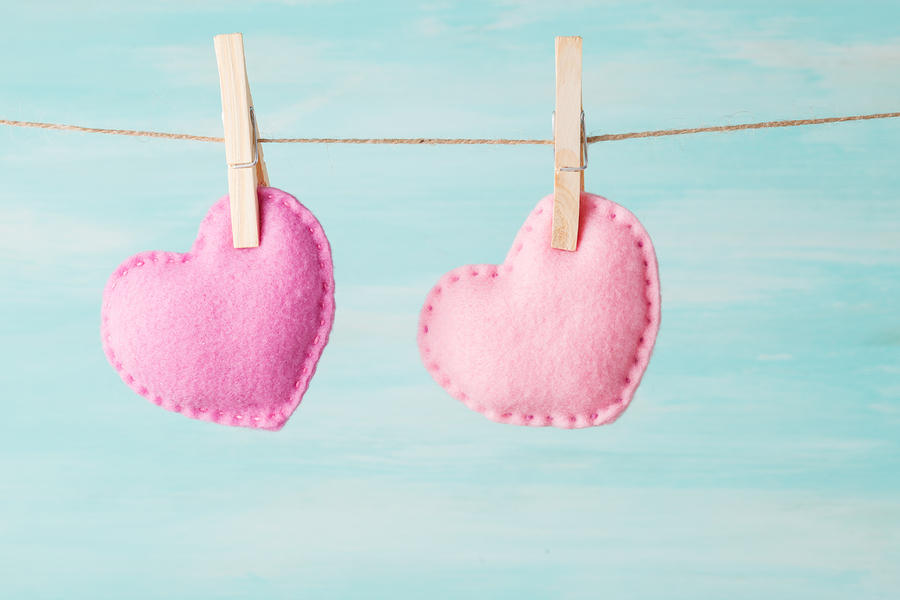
<point>760,456</point>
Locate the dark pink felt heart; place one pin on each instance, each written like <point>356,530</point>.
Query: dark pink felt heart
<point>549,337</point>
<point>221,334</point>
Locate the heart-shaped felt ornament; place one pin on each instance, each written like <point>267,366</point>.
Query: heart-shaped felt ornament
<point>549,337</point>
<point>221,334</point>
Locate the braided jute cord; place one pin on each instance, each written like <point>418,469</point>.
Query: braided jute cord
<point>610,137</point>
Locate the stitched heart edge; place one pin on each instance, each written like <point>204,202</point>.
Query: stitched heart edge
<point>624,218</point>
<point>272,419</point>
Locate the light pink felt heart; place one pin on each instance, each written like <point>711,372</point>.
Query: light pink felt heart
<point>549,337</point>
<point>221,334</point>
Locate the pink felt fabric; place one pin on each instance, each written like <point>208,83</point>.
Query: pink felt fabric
<point>549,337</point>
<point>225,335</point>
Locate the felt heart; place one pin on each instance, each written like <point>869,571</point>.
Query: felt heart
<point>221,334</point>
<point>549,337</point>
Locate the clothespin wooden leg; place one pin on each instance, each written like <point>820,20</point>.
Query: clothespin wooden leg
<point>567,144</point>
<point>243,151</point>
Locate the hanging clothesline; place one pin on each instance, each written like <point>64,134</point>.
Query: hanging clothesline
<point>610,137</point>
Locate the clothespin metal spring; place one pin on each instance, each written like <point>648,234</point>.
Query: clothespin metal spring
<point>256,144</point>
<point>584,144</point>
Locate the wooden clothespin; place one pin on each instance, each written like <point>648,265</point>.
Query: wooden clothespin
<point>243,152</point>
<point>569,144</point>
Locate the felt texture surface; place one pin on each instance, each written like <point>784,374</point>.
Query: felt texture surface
<point>550,337</point>
<point>221,334</point>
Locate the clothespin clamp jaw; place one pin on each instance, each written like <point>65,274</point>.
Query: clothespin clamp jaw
<point>569,144</point>
<point>243,153</point>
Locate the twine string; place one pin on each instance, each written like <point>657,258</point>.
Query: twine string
<point>611,137</point>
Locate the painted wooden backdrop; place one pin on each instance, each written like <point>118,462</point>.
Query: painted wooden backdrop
<point>760,456</point>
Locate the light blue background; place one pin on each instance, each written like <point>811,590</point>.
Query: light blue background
<point>760,456</point>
